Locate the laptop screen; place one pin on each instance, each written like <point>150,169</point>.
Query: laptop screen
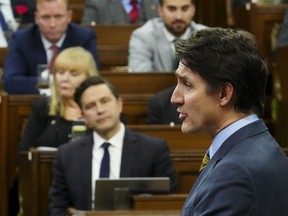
<point>104,190</point>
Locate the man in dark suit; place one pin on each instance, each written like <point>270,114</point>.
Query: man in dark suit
<point>117,11</point>
<point>32,46</point>
<point>132,154</point>
<point>221,89</point>
<point>160,109</point>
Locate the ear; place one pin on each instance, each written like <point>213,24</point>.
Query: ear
<point>226,94</point>
<point>70,15</point>
<point>160,13</point>
<point>36,17</point>
<point>120,104</point>
<point>86,122</point>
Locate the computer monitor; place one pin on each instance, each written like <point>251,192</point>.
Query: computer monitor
<point>104,190</point>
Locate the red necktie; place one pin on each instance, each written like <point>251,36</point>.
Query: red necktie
<point>54,50</point>
<point>135,12</point>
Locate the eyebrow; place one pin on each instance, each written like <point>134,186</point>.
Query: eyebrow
<point>179,76</point>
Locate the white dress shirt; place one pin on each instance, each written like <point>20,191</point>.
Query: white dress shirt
<point>3,41</point>
<point>47,45</point>
<point>115,152</point>
<point>128,7</point>
<point>6,9</point>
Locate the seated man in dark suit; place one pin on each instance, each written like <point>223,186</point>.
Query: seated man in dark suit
<point>78,164</point>
<point>161,110</point>
<point>119,12</point>
<point>32,46</point>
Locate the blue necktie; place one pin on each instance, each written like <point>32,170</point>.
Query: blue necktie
<point>105,163</point>
<point>3,22</point>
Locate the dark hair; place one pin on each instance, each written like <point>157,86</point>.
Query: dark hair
<point>232,56</point>
<point>93,81</point>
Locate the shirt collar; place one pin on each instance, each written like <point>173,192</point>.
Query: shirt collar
<point>228,131</point>
<point>115,141</point>
<point>127,6</point>
<point>170,37</point>
<point>47,44</point>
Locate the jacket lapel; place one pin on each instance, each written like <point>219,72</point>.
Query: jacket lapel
<point>245,132</point>
<point>128,154</point>
<point>85,159</point>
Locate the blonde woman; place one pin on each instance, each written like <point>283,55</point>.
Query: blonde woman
<point>51,119</point>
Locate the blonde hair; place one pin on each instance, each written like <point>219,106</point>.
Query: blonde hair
<point>74,58</point>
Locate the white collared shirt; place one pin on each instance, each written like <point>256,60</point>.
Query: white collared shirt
<point>128,7</point>
<point>7,12</point>
<point>171,38</point>
<point>47,45</point>
<point>3,40</point>
<point>115,152</point>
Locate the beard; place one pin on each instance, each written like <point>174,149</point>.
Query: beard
<point>177,27</point>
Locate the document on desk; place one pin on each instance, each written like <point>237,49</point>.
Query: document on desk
<point>46,148</point>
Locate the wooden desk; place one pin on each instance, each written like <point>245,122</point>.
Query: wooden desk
<point>176,140</point>
<point>112,44</point>
<point>3,54</point>
<point>35,177</point>
<point>124,213</point>
<point>140,83</point>
<point>159,202</point>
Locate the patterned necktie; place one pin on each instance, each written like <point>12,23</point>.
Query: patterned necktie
<point>55,51</point>
<point>105,163</point>
<point>3,22</point>
<point>205,161</point>
<point>135,12</point>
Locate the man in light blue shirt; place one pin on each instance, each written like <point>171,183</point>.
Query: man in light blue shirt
<point>221,81</point>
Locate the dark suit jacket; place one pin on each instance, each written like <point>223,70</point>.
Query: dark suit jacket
<point>248,175</point>
<point>142,156</point>
<point>160,109</point>
<point>27,17</point>
<point>44,130</point>
<point>26,51</point>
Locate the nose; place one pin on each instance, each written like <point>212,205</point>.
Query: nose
<point>66,75</point>
<point>52,22</point>
<point>100,109</point>
<point>176,97</point>
<point>179,14</point>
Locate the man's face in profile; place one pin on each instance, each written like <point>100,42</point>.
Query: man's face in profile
<point>177,15</point>
<point>52,17</point>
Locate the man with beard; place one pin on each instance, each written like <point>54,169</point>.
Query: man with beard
<point>151,47</point>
